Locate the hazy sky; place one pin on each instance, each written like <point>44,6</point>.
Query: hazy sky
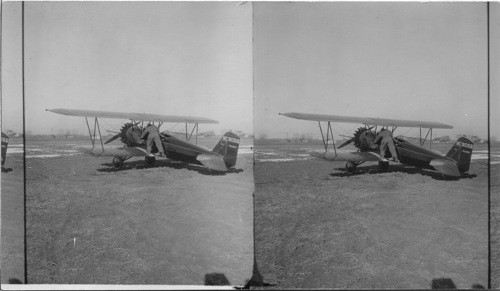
<point>12,102</point>
<point>422,61</point>
<point>190,59</point>
<point>495,69</point>
<point>418,61</point>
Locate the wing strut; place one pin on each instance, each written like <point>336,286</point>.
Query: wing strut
<point>93,136</point>
<point>188,137</point>
<point>328,133</point>
<point>90,133</point>
<point>422,142</point>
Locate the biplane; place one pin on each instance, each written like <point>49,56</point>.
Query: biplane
<point>221,158</point>
<point>454,164</point>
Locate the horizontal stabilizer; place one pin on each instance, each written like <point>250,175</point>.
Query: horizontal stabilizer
<point>445,167</point>
<point>212,162</point>
<point>348,156</point>
<point>116,152</point>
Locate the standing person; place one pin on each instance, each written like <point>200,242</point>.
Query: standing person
<point>386,141</point>
<point>5,143</point>
<point>153,135</point>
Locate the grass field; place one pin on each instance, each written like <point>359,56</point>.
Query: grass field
<point>495,224</point>
<point>12,215</point>
<point>315,226</point>
<point>173,223</point>
<point>318,227</point>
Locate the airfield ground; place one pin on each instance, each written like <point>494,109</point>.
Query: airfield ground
<point>316,226</point>
<point>169,224</point>
<point>495,225</point>
<point>12,215</point>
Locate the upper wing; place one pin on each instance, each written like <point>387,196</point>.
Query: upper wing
<point>132,116</point>
<point>116,152</point>
<point>348,156</point>
<point>366,120</point>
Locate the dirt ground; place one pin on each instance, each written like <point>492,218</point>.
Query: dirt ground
<point>495,225</point>
<point>12,216</point>
<point>316,226</point>
<point>173,223</point>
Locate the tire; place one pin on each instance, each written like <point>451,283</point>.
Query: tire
<point>350,167</point>
<point>383,166</point>
<point>118,163</point>
<point>150,161</point>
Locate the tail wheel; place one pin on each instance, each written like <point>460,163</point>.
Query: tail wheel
<point>350,167</point>
<point>118,162</point>
<point>383,166</point>
<point>150,161</point>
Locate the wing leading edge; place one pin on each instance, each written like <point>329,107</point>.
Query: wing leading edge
<point>366,120</point>
<point>133,116</point>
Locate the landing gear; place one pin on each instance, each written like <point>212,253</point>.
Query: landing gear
<point>383,166</point>
<point>150,161</point>
<point>118,162</point>
<point>350,167</point>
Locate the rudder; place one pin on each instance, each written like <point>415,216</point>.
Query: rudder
<point>461,152</point>
<point>228,148</point>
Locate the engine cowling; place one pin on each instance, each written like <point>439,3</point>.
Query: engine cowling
<point>130,135</point>
<point>363,139</point>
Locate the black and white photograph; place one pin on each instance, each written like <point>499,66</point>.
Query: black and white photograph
<point>371,145</point>
<point>138,130</point>
<point>236,145</point>
<point>494,118</point>
<point>12,258</point>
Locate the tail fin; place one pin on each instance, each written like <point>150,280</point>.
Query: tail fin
<point>228,148</point>
<point>461,152</point>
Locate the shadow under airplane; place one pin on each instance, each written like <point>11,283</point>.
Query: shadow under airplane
<point>374,169</point>
<point>139,164</point>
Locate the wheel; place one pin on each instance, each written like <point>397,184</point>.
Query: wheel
<point>383,166</point>
<point>150,161</point>
<point>117,162</point>
<point>351,167</point>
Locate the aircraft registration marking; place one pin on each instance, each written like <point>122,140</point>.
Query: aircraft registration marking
<point>465,145</point>
<point>231,139</point>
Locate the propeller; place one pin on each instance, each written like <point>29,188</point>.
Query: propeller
<point>351,139</point>
<point>117,135</point>
<point>113,138</point>
<point>347,142</point>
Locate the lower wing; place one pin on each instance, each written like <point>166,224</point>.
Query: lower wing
<point>446,167</point>
<point>116,152</point>
<point>213,162</point>
<point>348,156</point>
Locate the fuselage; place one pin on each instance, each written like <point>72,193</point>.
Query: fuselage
<point>181,150</point>
<point>178,149</point>
<point>415,155</point>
